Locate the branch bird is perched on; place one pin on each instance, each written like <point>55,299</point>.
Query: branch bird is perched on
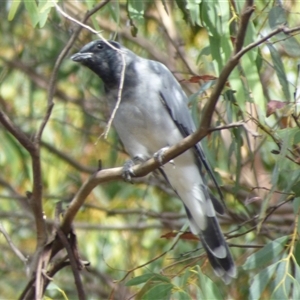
<point>152,115</point>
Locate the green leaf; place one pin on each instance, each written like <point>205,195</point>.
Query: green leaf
<point>44,6</point>
<point>13,9</point>
<point>145,277</point>
<point>210,19</point>
<point>297,255</point>
<point>114,9</point>
<point>297,138</point>
<point>181,295</point>
<point>296,201</point>
<point>282,282</point>
<point>182,6</point>
<point>159,291</point>
<point>209,289</point>
<point>90,3</point>
<point>290,45</point>
<point>53,286</point>
<point>139,279</point>
<point>44,10</point>
<point>32,10</point>
<point>279,293</point>
<point>193,6</point>
<point>282,270</point>
<point>237,132</point>
<point>136,10</point>
<point>260,282</point>
<point>266,254</point>
<point>296,280</point>
<point>277,16</point>
<point>280,71</point>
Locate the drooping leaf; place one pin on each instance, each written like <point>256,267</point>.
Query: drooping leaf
<point>277,16</point>
<point>296,281</point>
<point>135,11</point>
<point>159,291</point>
<point>13,9</point>
<point>181,295</point>
<point>266,254</point>
<point>280,71</point>
<point>193,7</point>
<point>282,282</point>
<point>208,288</point>
<point>296,202</point>
<point>33,12</point>
<point>290,45</point>
<point>273,106</point>
<point>260,282</point>
<point>145,277</point>
<point>44,10</point>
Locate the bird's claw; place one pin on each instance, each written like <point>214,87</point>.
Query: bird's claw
<point>159,156</point>
<point>127,172</point>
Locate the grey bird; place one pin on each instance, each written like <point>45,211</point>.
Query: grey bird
<point>153,114</point>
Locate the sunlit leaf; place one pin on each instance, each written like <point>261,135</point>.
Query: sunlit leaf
<point>136,13</point>
<point>33,12</point>
<point>181,295</point>
<point>193,6</point>
<point>266,254</point>
<point>44,6</point>
<point>44,10</point>
<point>13,9</point>
<point>296,282</point>
<point>282,281</point>
<point>260,282</point>
<point>209,289</point>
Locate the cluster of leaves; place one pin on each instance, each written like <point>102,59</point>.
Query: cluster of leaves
<point>257,164</point>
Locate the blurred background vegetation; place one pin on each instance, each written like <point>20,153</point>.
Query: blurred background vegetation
<point>123,226</point>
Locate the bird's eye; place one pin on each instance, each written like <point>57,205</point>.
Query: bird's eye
<point>100,45</point>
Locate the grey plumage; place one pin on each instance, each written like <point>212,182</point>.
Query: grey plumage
<point>153,114</point>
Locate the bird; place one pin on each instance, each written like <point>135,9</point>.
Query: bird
<point>153,114</point>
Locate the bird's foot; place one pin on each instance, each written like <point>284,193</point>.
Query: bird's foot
<point>159,156</point>
<point>127,172</point>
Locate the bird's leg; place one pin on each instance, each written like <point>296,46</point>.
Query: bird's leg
<point>159,156</point>
<point>127,172</point>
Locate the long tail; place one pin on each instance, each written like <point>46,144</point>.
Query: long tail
<point>209,231</point>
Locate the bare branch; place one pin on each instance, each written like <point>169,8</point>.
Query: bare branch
<point>12,245</point>
<point>230,65</point>
<point>16,132</point>
<point>62,55</point>
<point>73,263</point>
<point>74,163</point>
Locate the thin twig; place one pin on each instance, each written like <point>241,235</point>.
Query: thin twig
<point>12,245</point>
<point>74,265</point>
<point>113,47</point>
<point>234,125</point>
<point>119,96</point>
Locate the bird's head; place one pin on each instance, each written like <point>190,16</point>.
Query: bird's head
<point>102,59</point>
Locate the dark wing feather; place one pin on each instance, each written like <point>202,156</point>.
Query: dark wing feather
<point>175,101</point>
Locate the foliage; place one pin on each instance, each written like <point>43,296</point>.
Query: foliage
<point>253,149</point>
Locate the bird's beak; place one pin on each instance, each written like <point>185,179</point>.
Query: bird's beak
<point>81,57</point>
